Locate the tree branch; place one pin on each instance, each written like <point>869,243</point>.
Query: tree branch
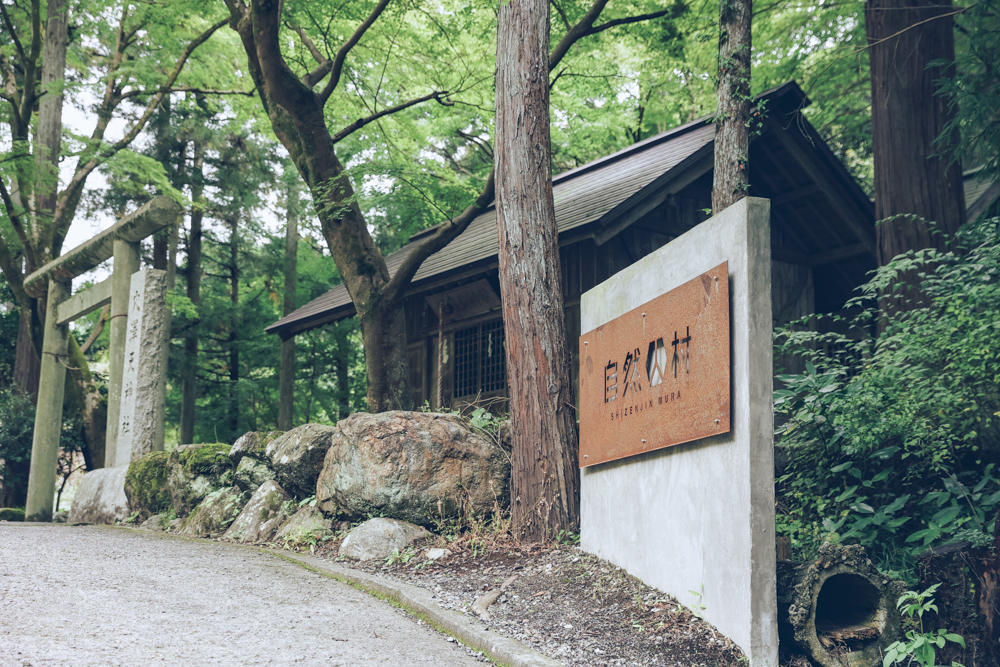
<point>310,79</point>
<point>13,35</point>
<point>574,34</point>
<point>12,272</point>
<point>16,223</point>
<point>562,14</point>
<point>98,328</point>
<point>61,218</point>
<point>30,65</point>
<point>338,62</point>
<point>452,228</point>
<point>361,122</point>
<point>189,89</point>
<point>436,241</point>
<point>628,19</point>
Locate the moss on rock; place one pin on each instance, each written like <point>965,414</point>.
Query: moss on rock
<point>206,459</point>
<point>146,485</point>
<point>215,513</point>
<point>11,514</point>
<point>195,471</point>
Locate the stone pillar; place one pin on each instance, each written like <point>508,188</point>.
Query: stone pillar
<point>48,414</point>
<point>141,416</point>
<point>126,262</point>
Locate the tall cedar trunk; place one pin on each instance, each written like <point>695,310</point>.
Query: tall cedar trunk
<point>189,391</point>
<point>50,107</point>
<point>27,364</point>
<point>48,144</point>
<point>732,139</point>
<point>910,178</point>
<point>234,332</point>
<point>286,380</point>
<point>341,370</point>
<point>545,475</point>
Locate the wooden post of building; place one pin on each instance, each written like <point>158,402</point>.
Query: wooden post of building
<point>48,414</point>
<point>126,262</point>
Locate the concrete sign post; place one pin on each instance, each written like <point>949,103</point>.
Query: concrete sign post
<point>126,263</point>
<point>141,417</point>
<point>696,519</point>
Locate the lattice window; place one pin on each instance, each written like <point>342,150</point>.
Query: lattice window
<point>480,361</point>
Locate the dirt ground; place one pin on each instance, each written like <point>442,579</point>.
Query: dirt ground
<point>571,606</point>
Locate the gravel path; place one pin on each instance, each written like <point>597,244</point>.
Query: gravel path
<point>91,595</point>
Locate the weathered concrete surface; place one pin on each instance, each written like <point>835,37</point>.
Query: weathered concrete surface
<point>150,218</point>
<point>697,520</point>
<point>174,602</point>
<point>126,263</point>
<point>377,538</point>
<point>141,417</point>
<point>100,497</point>
<point>48,415</point>
<point>470,631</point>
<point>414,466</point>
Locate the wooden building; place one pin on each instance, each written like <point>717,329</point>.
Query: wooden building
<point>615,210</point>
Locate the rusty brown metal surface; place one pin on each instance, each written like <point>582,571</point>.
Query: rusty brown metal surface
<point>658,375</point>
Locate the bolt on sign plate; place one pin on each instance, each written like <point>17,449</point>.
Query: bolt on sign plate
<point>658,375</point>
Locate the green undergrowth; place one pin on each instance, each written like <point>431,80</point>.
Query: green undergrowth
<point>893,438</point>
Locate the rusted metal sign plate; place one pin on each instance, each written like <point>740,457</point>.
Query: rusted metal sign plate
<point>658,375</point>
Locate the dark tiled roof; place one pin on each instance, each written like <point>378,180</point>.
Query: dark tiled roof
<point>581,195</point>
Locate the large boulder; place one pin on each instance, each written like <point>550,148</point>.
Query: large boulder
<point>414,466</point>
<point>194,471</point>
<point>216,512</point>
<point>100,497</point>
<point>262,516</point>
<point>308,524</point>
<point>253,444</point>
<point>251,473</point>
<point>378,538</point>
<point>297,457</point>
<point>146,485</point>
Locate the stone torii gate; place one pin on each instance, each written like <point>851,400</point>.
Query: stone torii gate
<point>137,346</point>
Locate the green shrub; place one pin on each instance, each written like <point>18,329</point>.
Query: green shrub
<point>893,440</point>
<point>17,423</point>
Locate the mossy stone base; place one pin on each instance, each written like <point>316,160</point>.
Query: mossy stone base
<point>194,471</point>
<point>11,514</point>
<point>146,485</point>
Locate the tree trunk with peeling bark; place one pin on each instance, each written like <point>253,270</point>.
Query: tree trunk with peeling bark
<point>286,379</point>
<point>732,137</point>
<point>189,388</point>
<point>545,486</point>
<point>912,178</point>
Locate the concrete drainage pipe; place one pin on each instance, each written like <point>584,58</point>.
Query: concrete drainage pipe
<point>838,609</point>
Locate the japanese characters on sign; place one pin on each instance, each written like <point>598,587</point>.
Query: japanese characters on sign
<point>658,375</point>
